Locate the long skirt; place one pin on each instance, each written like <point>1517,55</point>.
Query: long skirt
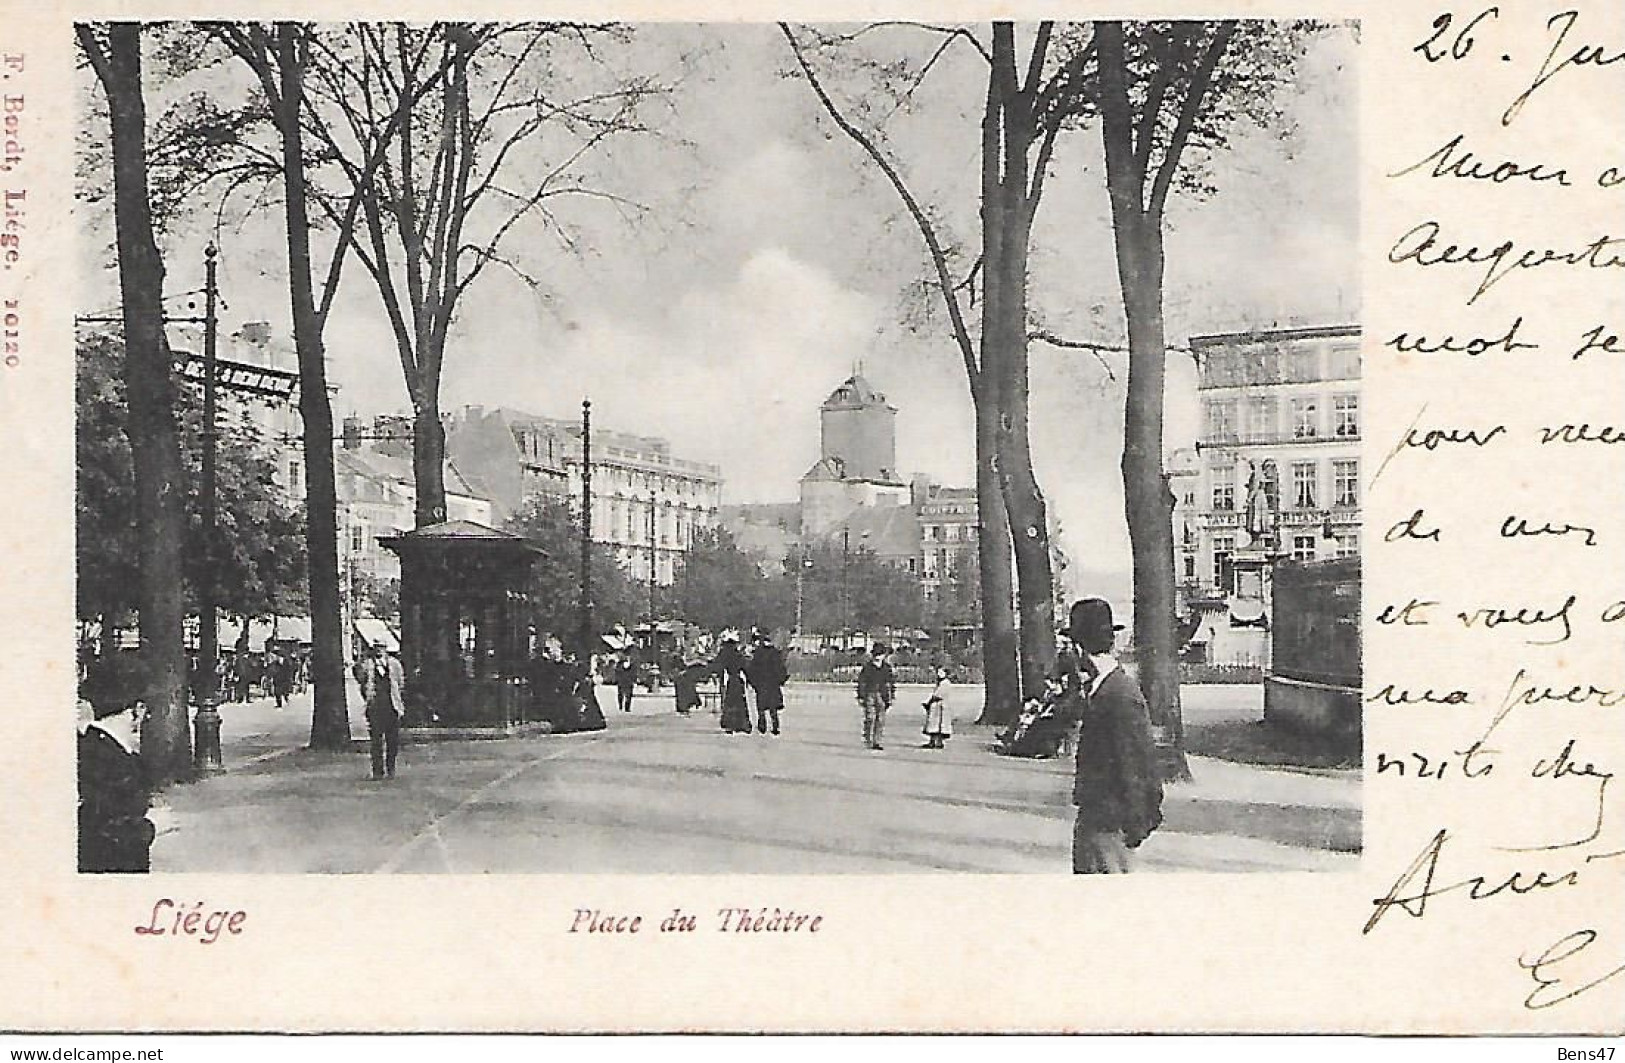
<point>735,711</point>
<point>1096,851</point>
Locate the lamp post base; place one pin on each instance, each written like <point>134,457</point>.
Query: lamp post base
<point>206,740</point>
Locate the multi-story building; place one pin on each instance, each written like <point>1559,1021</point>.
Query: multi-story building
<point>948,528</point>
<point>646,503</point>
<point>377,496</point>
<point>275,421</point>
<point>1276,474</point>
<point>509,456</point>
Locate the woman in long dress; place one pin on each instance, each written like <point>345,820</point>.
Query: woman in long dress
<point>586,694</point>
<point>729,666</point>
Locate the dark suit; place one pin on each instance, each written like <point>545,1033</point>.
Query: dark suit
<point>767,675</point>
<point>114,832</point>
<point>1118,787</point>
<point>384,687</point>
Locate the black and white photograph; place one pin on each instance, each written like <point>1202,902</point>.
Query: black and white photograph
<point>718,448</point>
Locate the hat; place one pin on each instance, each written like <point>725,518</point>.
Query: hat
<point>1091,623</point>
<point>117,683</point>
<point>879,647</point>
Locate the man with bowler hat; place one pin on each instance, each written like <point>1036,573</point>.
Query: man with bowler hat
<point>766,673</point>
<point>383,686</point>
<point>1118,786</point>
<point>115,834</point>
<point>877,688</point>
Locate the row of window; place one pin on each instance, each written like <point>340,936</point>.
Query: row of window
<point>1258,418</point>
<point>1304,486</point>
<point>1267,363</point>
<point>1305,547</point>
<point>948,533</point>
<point>611,478</point>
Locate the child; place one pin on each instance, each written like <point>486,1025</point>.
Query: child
<point>939,721</point>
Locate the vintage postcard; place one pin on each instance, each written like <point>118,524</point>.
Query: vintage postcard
<point>737,518</point>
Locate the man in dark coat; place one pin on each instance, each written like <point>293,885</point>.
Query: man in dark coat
<point>767,674</point>
<point>384,688</point>
<point>114,832</point>
<point>1118,786</point>
<point>626,677</point>
<point>877,689</point>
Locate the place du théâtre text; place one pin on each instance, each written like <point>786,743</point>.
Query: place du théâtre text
<point>1518,305</point>
<point>774,921</point>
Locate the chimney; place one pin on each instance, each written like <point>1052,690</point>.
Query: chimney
<point>352,433</point>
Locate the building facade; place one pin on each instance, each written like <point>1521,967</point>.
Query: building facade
<point>1275,474</point>
<point>377,496</point>
<point>948,529</point>
<point>647,503</point>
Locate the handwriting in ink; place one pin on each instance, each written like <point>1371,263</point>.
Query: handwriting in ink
<point>1412,614</point>
<point>1478,887</point>
<point>1582,433</point>
<point>1453,160</point>
<point>1397,695</point>
<point>1599,339</point>
<point>1411,528</point>
<point>1461,46</point>
<point>1434,438</point>
<point>1515,527</point>
<point>1587,55</point>
<point>1550,987</point>
<point>1431,767</point>
<point>1423,244</point>
<point>1508,342</point>
<point>1523,616</point>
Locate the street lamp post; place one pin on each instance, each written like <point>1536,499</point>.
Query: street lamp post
<point>586,529</point>
<point>653,501</point>
<point>802,565</point>
<point>846,596</point>
<point>206,723</point>
<point>654,655</point>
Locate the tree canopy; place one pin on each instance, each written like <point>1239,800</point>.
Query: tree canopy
<point>261,538</point>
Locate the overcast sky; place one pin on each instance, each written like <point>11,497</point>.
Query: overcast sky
<point>772,259</point>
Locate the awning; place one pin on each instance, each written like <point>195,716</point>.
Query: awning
<point>375,632</point>
<point>1248,612</point>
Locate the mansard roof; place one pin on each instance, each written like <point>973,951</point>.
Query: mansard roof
<point>855,393</point>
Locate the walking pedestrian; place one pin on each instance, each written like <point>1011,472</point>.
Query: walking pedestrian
<point>939,718</point>
<point>1118,787</point>
<point>767,675</point>
<point>282,669</point>
<point>626,677</point>
<point>590,716</point>
<point>877,687</point>
<point>686,683</point>
<point>729,666</point>
<point>115,834</point>
<point>383,688</point>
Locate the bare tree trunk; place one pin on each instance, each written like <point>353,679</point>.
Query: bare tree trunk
<point>330,718</point>
<point>166,746</point>
<point>1001,696</point>
<point>1147,502</point>
<point>1008,133</point>
<point>429,460</point>
<point>1028,515</point>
